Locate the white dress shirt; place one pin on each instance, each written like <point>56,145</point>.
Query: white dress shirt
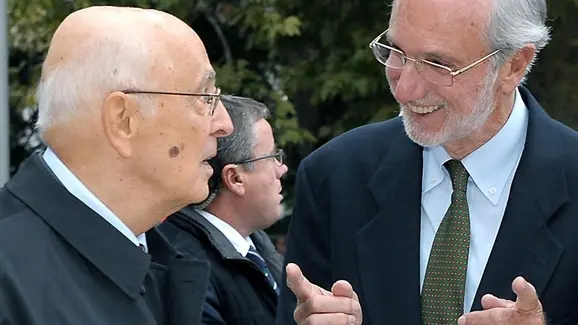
<point>81,192</point>
<point>242,245</point>
<point>491,168</point>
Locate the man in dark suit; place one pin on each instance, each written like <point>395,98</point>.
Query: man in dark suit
<point>227,229</point>
<point>462,210</point>
<point>76,245</point>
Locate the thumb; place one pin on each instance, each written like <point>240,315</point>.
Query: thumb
<point>343,288</point>
<point>296,281</point>
<point>527,298</point>
<point>490,301</point>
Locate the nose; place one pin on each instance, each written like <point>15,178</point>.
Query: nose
<point>282,170</point>
<point>407,84</point>
<point>221,125</point>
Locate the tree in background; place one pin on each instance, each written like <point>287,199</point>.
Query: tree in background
<point>308,60</point>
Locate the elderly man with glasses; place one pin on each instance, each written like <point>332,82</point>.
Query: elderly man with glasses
<point>129,112</point>
<point>227,228</point>
<point>460,211</point>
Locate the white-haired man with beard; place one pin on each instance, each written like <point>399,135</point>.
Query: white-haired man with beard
<point>459,211</point>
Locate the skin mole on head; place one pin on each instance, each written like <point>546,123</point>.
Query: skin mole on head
<point>174,151</point>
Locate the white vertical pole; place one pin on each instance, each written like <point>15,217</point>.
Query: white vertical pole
<point>4,100</point>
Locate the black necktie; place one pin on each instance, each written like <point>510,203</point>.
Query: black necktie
<point>254,257</point>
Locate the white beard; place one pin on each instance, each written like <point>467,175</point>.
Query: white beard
<point>455,127</point>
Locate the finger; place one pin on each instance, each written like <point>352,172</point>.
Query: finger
<point>342,289</point>
<point>301,287</point>
<point>330,319</point>
<point>326,305</point>
<point>485,317</point>
<point>491,301</point>
<point>527,298</point>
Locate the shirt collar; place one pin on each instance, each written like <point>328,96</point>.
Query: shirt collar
<point>81,192</point>
<point>242,245</point>
<point>489,166</point>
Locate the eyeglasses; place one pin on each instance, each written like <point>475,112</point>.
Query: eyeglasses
<point>279,156</point>
<point>211,100</point>
<point>431,71</point>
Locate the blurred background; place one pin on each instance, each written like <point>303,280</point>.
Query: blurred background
<point>309,61</point>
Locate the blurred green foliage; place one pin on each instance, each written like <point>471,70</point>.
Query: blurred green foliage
<point>308,60</point>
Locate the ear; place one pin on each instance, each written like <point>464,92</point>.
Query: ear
<point>233,178</point>
<point>120,122</point>
<point>512,72</point>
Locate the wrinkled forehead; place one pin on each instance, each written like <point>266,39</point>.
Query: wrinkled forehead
<point>419,25</point>
<point>183,66</point>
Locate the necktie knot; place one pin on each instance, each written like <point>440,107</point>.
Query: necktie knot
<point>458,174</point>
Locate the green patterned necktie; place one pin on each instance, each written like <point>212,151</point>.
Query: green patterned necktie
<point>442,297</point>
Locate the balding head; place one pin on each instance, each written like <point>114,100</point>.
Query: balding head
<point>126,103</point>
<point>98,50</point>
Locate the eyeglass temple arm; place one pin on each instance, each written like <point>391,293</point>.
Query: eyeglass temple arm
<point>469,66</point>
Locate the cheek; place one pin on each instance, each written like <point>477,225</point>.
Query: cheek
<point>195,132</point>
<point>392,76</point>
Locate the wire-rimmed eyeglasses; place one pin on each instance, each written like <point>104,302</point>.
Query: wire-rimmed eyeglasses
<point>431,71</point>
<point>210,99</point>
<point>278,155</point>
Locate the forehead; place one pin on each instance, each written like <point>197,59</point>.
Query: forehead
<point>444,25</point>
<point>208,79</point>
<point>265,140</point>
<point>185,65</point>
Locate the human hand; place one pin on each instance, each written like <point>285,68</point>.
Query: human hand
<point>317,306</point>
<point>526,310</point>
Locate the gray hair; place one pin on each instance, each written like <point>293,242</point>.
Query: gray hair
<point>514,23</point>
<point>238,146</point>
<point>111,63</point>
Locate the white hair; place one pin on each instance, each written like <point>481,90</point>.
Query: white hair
<point>101,66</point>
<point>515,23</point>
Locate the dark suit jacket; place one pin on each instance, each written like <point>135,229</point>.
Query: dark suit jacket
<point>357,217</point>
<point>239,292</point>
<point>61,263</point>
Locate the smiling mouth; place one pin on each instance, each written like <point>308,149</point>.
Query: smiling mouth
<point>424,109</point>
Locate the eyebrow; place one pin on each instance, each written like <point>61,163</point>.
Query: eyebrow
<point>208,77</point>
<point>430,56</point>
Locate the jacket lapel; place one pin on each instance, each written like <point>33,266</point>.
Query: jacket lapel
<point>190,220</point>
<point>270,255</point>
<point>524,244</point>
<point>186,280</point>
<point>388,246</point>
<point>93,237</point>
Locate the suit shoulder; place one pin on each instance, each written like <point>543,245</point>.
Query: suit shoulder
<point>567,133</point>
<point>363,138</point>
<point>362,147</point>
<point>22,232</point>
<point>186,241</point>
<point>10,206</point>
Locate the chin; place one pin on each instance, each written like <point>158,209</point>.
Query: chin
<point>200,193</point>
<point>424,139</point>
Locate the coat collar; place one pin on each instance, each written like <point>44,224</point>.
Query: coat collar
<point>93,237</point>
<point>188,219</point>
